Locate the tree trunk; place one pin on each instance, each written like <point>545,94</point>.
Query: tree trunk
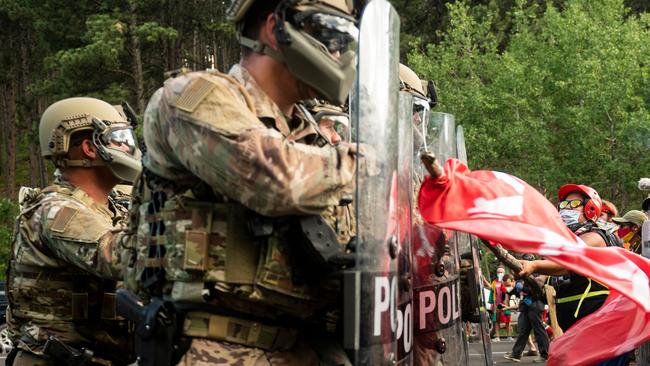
<point>3,130</point>
<point>10,128</point>
<point>136,65</point>
<point>28,106</point>
<point>195,41</point>
<point>42,166</point>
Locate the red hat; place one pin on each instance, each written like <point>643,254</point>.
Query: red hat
<point>592,206</point>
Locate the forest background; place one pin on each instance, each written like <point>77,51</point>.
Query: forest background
<point>552,91</point>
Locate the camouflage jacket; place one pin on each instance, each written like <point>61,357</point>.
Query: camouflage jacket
<point>223,132</point>
<point>66,257</point>
<point>226,132</point>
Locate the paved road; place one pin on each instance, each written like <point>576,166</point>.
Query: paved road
<point>475,358</point>
<point>498,350</point>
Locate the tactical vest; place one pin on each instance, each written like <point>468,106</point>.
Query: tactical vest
<point>75,305</point>
<point>212,250</point>
<point>575,288</point>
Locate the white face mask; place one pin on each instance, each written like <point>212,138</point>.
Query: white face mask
<point>609,226</point>
<point>570,217</point>
<point>500,275</point>
<point>509,288</point>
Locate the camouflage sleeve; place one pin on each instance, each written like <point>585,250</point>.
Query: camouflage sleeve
<point>84,238</point>
<point>223,143</point>
<point>264,171</point>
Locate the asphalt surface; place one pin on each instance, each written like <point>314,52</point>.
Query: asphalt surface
<point>475,355</point>
<point>498,350</point>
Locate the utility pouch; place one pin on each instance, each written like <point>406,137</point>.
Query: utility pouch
<point>158,336</point>
<point>63,354</point>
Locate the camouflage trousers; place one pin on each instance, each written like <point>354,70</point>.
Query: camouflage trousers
<point>24,358</point>
<point>28,359</point>
<point>208,352</point>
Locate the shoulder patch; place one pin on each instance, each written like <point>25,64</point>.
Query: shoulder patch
<point>194,93</point>
<point>62,219</point>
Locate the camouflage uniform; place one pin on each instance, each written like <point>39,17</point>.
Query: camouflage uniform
<point>63,271</point>
<point>223,172</point>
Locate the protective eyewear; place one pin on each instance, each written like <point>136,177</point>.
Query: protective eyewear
<point>339,122</point>
<point>117,138</point>
<point>336,33</point>
<point>570,204</point>
<point>421,108</point>
<point>122,139</point>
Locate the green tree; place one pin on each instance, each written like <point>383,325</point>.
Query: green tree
<point>565,101</point>
<point>8,212</point>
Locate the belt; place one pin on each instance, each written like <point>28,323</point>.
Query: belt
<point>240,331</point>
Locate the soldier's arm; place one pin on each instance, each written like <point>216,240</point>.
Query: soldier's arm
<point>84,239</point>
<point>225,145</point>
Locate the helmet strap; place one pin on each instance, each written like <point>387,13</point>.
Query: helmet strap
<point>85,163</point>
<point>260,47</point>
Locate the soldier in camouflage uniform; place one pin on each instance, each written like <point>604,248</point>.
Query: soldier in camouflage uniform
<point>334,128</point>
<point>66,250</point>
<point>228,174</point>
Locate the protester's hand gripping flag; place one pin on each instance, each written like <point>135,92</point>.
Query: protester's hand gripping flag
<point>504,209</point>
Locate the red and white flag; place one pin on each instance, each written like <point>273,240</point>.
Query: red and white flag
<point>504,209</point>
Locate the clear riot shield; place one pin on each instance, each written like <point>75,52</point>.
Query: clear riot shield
<point>372,322</point>
<point>645,239</point>
<point>472,299</point>
<point>438,330</point>
<point>460,144</point>
<point>442,136</point>
<point>484,330</point>
<point>405,204</point>
<point>644,349</point>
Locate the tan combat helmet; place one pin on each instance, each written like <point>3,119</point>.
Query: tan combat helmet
<point>410,82</point>
<point>316,40</point>
<point>113,136</point>
<point>324,112</point>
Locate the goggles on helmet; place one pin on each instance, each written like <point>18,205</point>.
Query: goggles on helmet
<point>119,138</point>
<point>336,33</point>
<point>122,139</point>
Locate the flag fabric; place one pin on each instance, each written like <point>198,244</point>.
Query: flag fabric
<point>504,209</point>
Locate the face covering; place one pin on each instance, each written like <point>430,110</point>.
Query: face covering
<point>606,225</point>
<point>625,233</point>
<point>500,276</point>
<point>570,217</point>
<point>509,288</point>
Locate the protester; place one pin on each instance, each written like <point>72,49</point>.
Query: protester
<point>507,308</point>
<point>577,296</point>
<point>629,229</point>
<point>607,213</point>
<point>531,308</point>
<point>505,209</point>
<point>496,299</point>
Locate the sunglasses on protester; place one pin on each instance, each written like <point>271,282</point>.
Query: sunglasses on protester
<point>570,204</point>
